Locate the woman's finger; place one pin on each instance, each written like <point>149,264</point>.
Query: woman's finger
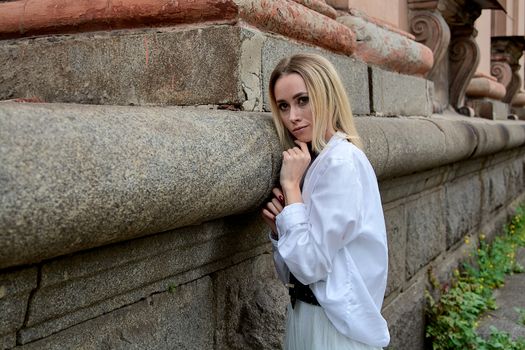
<point>277,204</point>
<point>271,207</point>
<point>267,215</point>
<point>279,195</point>
<point>302,145</point>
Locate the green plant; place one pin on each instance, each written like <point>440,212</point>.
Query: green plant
<point>172,287</point>
<point>521,312</point>
<point>453,318</point>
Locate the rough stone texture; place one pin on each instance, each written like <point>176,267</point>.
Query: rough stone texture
<point>489,109</point>
<point>129,68</point>
<point>250,306</point>
<point>387,49</point>
<point>353,73</point>
<point>494,195</point>
<point>15,288</point>
<point>426,230</point>
<point>405,316</point>
<point>395,219</point>
<point>485,87</point>
<point>86,285</point>
<point>90,176</point>
<point>180,319</point>
<point>396,94</point>
<point>462,207</point>
<point>20,18</point>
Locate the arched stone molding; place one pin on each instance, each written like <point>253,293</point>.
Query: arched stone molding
<point>464,60</point>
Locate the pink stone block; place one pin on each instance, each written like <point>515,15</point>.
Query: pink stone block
<point>388,49</point>
<point>288,18</point>
<point>485,86</point>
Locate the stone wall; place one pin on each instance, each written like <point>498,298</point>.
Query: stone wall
<point>126,222</point>
<point>212,284</point>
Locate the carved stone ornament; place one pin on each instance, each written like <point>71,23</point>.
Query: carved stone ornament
<point>448,26</point>
<point>431,29</point>
<point>464,60</point>
<point>505,55</point>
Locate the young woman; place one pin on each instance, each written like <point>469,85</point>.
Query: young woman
<point>328,230</point>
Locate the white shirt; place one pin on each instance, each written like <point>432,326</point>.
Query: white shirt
<point>336,241</point>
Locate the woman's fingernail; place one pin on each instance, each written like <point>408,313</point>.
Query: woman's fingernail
<point>281,199</point>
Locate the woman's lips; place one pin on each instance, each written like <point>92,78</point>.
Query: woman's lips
<point>299,128</point>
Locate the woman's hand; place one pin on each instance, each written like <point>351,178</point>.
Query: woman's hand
<point>295,163</point>
<point>272,209</point>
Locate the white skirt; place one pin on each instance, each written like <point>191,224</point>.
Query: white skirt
<point>308,328</point>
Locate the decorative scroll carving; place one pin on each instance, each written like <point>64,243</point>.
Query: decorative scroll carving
<point>502,72</point>
<point>514,86</point>
<point>431,29</point>
<point>464,60</point>
<point>505,57</point>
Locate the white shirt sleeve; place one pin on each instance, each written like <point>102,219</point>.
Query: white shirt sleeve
<point>280,266</point>
<point>310,237</point>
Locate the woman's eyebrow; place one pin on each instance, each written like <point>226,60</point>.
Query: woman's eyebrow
<point>299,94</point>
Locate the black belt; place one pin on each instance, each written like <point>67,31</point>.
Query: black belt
<point>299,291</point>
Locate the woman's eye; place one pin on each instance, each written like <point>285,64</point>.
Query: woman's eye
<point>303,100</point>
<point>283,106</point>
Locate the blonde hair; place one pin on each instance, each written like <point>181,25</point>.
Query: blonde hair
<point>327,96</point>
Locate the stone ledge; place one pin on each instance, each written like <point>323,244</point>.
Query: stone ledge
<point>92,175</point>
<point>21,18</point>
<point>483,86</point>
<point>388,49</point>
<point>160,67</point>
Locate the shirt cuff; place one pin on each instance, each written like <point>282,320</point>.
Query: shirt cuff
<point>290,216</point>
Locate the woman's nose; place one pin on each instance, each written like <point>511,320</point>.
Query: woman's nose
<point>294,114</point>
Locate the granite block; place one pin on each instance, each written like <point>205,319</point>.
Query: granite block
<point>15,289</point>
<point>405,316</point>
<point>92,175</point>
<point>88,284</point>
<point>396,227</point>
<point>463,208</point>
<point>152,67</point>
<point>395,94</point>
<point>353,73</point>
<point>250,306</point>
<point>180,319</point>
<point>426,236</point>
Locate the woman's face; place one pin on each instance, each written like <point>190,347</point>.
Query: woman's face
<point>294,107</point>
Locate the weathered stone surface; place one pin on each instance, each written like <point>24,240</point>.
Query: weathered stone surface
<point>399,95</point>
<point>130,68</point>
<point>489,109</point>
<point>15,288</point>
<point>353,73</point>
<point>494,194</point>
<point>462,207</point>
<point>19,18</point>
<point>482,86</point>
<point>250,306</point>
<point>180,319</point>
<point>395,219</point>
<point>86,285</point>
<point>90,176</point>
<point>406,318</point>
<point>426,231</point>
<point>387,49</point>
